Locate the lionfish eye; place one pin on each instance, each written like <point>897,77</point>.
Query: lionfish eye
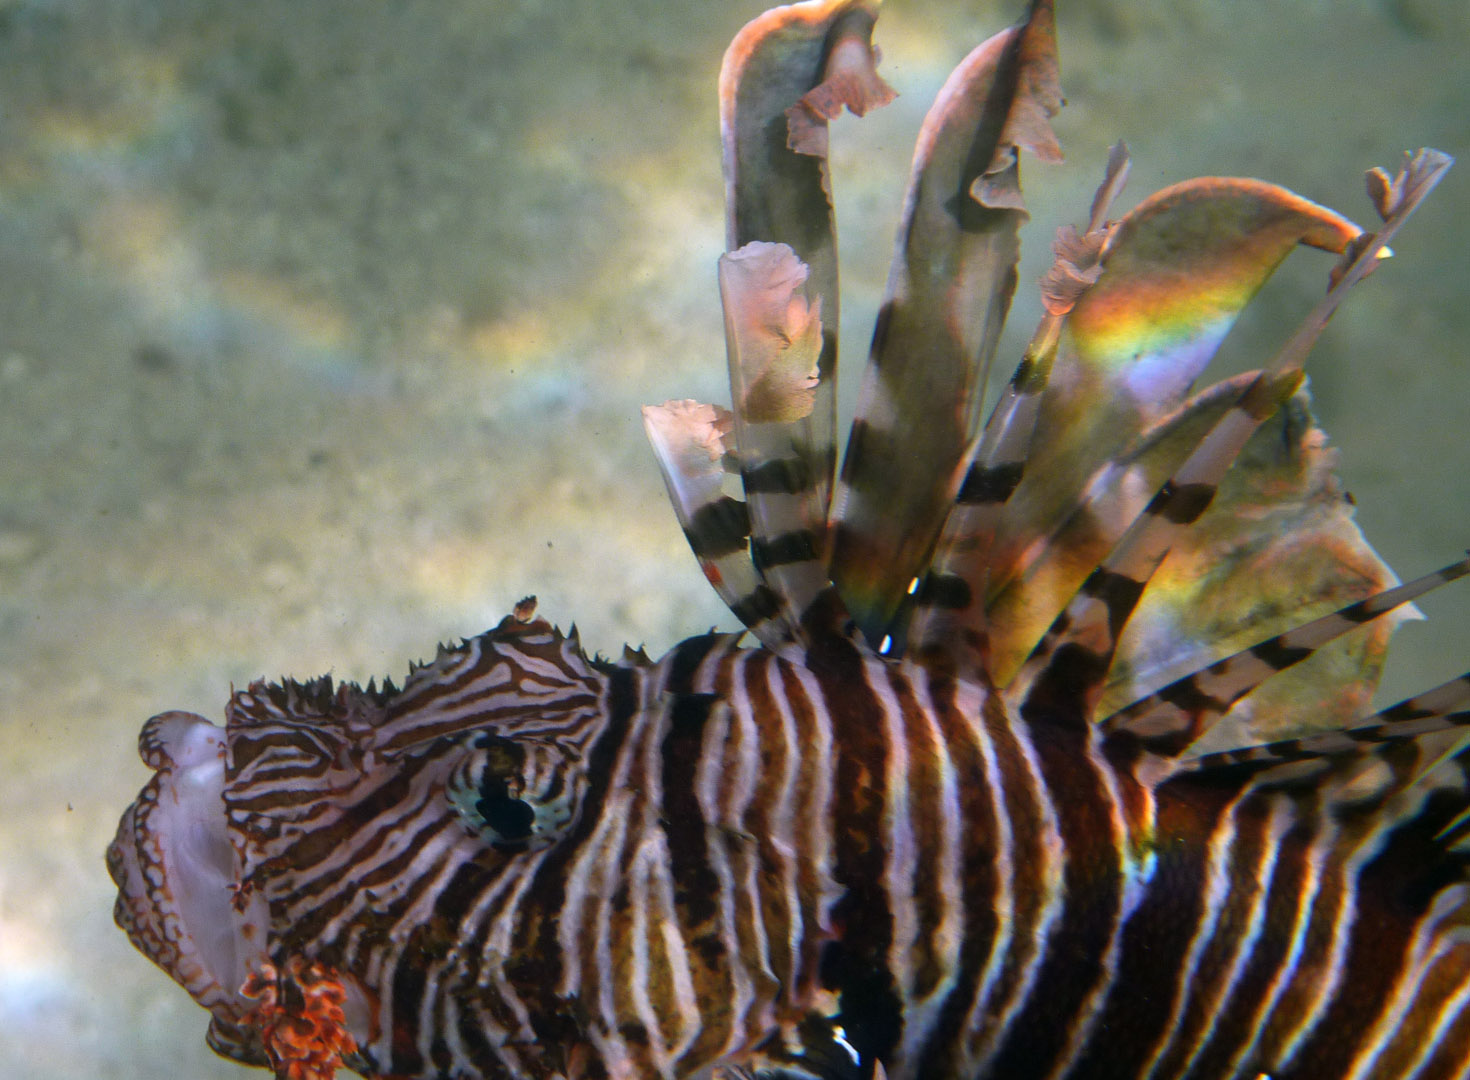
<point>502,812</point>
<point>512,794</point>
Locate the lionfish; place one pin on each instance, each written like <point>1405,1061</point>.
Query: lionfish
<point>1054,756</point>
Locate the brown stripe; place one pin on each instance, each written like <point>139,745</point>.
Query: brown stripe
<point>926,813</point>
<point>1181,504</point>
<point>719,528</point>
<point>1072,967</point>
<point>948,591</point>
<point>1310,972</point>
<point>537,970</point>
<point>791,547</point>
<point>855,965</point>
<point>1031,881</point>
<point>980,884</point>
<point>1156,940</point>
<point>696,887</point>
<point>785,476</point>
<point>1224,1027</point>
<point>1394,892</point>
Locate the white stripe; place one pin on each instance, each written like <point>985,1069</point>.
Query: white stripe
<point>781,839</point>
<point>1050,855</point>
<point>1450,1013</point>
<point>1448,906</point>
<point>1130,891</point>
<point>969,702</point>
<point>1219,891</point>
<point>949,930</point>
<point>1325,988</point>
<point>899,854</point>
<point>1313,861</point>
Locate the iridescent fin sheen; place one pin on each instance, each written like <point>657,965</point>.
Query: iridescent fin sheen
<point>1172,720</point>
<point>950,286</point>
<point>1278,546</point>
<point>691,443</point>
<point>1177,271</point>
<point>784,76</point>
<point>995,463</point>
<point>1090,626</point>
<point>1246,228</point>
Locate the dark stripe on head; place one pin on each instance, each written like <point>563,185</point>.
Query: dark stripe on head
<point>537,970</point>
<point>408,990</point>
<point>471,1028</point>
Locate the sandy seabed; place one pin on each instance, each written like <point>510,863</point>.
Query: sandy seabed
<point>323,329</point>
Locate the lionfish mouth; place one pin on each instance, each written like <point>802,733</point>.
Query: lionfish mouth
<point>176,869</point>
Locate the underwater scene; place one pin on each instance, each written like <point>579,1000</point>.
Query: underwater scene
<point>324,331</point>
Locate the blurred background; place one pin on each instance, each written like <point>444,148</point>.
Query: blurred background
<point>324,328</point>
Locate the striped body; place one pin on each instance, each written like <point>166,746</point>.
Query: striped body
<point>1038,902</point>
<point>1052,759</point>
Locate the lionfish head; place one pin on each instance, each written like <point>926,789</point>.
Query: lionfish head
<point>276,867</point>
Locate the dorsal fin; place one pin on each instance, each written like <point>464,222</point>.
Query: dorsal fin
<point>787,73</point>
<point>949,288</point>
<point>1177,716</point>
<point>1244,228</point>
<point>692,445</point>
<point>994,465</point>
<point>774,338</point>
<point>1279,546</point>
<point>1177,272</point>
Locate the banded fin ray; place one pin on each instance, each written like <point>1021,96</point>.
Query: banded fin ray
<point>949,288</point>
<point>789,71</point>
<point>1445,707</point>
<point>691,444</point>
<point>1132,345</point>
<point>1093,620</point>
<point>995,462</point>
<point>1177,716</point>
